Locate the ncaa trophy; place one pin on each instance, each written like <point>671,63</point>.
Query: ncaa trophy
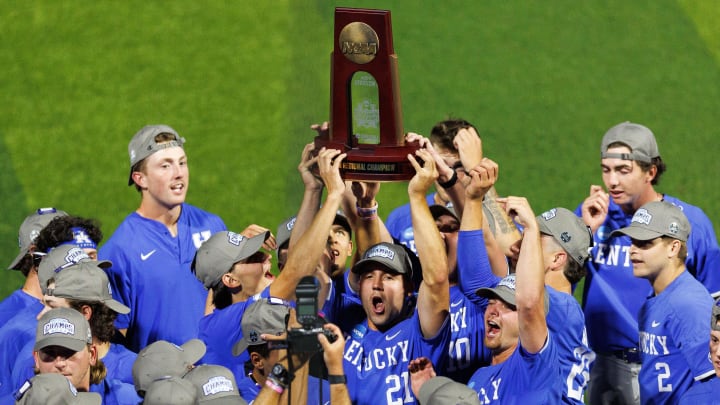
<point>365,113</point>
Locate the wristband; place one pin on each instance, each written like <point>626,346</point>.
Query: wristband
<point>451,182</point>
<point>274,386</point>
<point>367,212</point>
<point>337,379</point>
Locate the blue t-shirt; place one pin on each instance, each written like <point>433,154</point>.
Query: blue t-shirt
<point>343,306</point>
<point>15,302</point>
<point>706,393</point>
<point>523,378</point>
<point>674,340</point>
<point>612,296</point>
<point>151,275</point>
<point>565,318</point>
<point>115,392</point>
<point>13,336</point>
<point>376,363</point>
<point>399,223</point>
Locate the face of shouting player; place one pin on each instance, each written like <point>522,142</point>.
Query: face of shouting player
<point>383,297</point>
<point>501,327</point>
<point>166,178</point>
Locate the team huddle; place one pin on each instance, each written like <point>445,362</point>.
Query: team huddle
<point>459,296</point>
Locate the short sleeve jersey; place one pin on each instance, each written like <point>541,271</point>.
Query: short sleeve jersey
<point>399,223</point>
<point>674,340</point>
<point>376,363</point>
<point>15,302</point>
<point>151,275</point>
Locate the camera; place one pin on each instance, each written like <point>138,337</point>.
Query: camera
<point>304,339</point>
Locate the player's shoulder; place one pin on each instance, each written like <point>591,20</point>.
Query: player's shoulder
<point>693,213</point>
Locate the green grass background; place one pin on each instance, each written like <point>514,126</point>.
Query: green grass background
<point>243,80</point>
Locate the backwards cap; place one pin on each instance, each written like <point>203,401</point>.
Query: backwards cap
<point>265,316</point>
<point>218,254</point>
<point>54,389</point>
<point>388,255</point>
<point>64,327</point>
<point>30,229</point>
<point>638,137</point>
<point>215,385</point>
<point>656,219</point>
<point>164,359</point>
<point>568,230</point>
<point>444,391</point>
<point>143,144</point>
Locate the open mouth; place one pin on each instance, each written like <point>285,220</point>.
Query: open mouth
<point>492,329</point>
<point>177,187</point>
<point>378,305</point>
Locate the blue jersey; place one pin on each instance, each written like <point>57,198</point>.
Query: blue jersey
<point>343,306</point>
<point>376,363</point>
<point>115,392</point>
<point>467,351</point>
<point>249,390</point>
<point>523,378</point>
<point>151,275</point>
<point>706,393</point>
<point>221,329</point>
<point>612,296</point>
<point>399,223</point>
<point>565,318</point>
<point>13,336</point>
<point>15,302</point>
<point>674,340</point>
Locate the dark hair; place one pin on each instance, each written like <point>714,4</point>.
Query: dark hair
<point>102,321</point>
<point>262,349</point>
<point>443,133</point>
<point>222,297</point>
<point>574,271</point>
<point>59,230</point>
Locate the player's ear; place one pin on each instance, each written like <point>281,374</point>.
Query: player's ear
<point>230,281</point>
<point>139,179</point>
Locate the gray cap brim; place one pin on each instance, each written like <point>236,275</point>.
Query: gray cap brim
<point>637,233</point>
<point>504,294</point>
<point>75,345</point>
<point>14,264</point>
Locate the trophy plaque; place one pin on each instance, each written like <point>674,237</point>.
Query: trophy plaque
<point>365,113</point>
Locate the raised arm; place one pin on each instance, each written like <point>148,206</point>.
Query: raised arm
<point>305,255</point>
<point>433,302</point>
<point>530,277</point>
<point>311,196</point>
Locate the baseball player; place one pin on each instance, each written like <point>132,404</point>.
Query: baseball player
<point>378,351</point>
<point>612,296</point>
<point>153,247</point>
<point>524,353</point>
<point>673,319</point>
<point>708,392</point>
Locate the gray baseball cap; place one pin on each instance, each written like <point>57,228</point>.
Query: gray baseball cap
<point>505,290</point>
<point>60,258</point>
<point>219,253</point>
<point>30,229</point>
<point>444,391</point>
<point>171,390</point>
<point>568,230</point>
<point>86,281</point>
<point>264,316</point>
<point>215,385</point>
<point>64,327</point>
<point>53,389</point>
<point>715,318</point>
<point>388,255</point>
<point>656,219</point>
<point>143,144</point>
<point>284,230</point>
<point>638,137</point>
<point>164,359</point>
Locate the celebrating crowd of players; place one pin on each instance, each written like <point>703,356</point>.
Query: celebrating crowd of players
<point>461,296</point>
